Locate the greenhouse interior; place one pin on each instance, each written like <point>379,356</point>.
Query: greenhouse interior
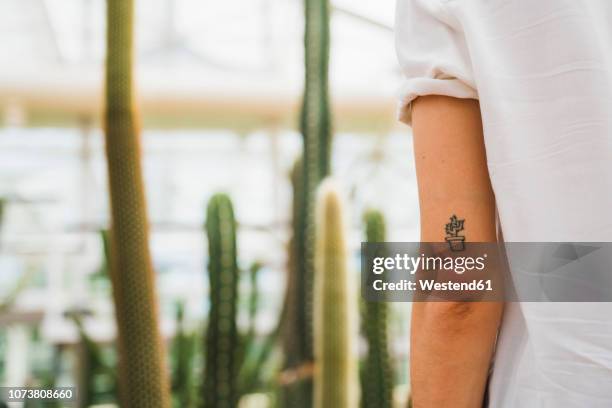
<point>169,172</point>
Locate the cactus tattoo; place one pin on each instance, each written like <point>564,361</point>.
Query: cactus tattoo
<point>456,242</point>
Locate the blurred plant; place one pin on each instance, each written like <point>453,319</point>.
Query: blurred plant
<point>253,299</point>
<point>295,325</point>
<point>222,345</point>
<point>315,124</point>
<point>258,371</point>
<point>100,279</point>
<point>97,379</point>
<point>46,379</point>
<point>184,359</point>
<point>24,279</point>
<point>376,372</point>
<point>143,376</point>
<point>335,308</point>
<point>2,207</point>
<point>104,269</point>
<point>22,283</point>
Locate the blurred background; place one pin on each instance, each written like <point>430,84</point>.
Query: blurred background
<point>219,86</point>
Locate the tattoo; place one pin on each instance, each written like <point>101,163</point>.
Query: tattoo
<point>456,242</point>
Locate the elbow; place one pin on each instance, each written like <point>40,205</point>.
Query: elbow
<point>458,316</point>
<point>451,311</point>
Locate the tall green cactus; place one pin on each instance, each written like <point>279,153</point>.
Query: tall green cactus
<point>297,318</point>
<point>316,114</point>
<point>315,124</point>
<point>316,133</point>
<point>220,387</point>
<point>376,373</point>
<point>144,381</point>
<point>335,308</point>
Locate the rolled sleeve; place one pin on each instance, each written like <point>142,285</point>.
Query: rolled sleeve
<point>432,53</point>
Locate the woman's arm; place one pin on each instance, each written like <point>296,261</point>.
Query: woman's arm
<point>452,342</point>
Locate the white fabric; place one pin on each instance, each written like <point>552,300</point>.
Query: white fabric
<point>542,70</point>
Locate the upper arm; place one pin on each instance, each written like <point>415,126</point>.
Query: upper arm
<point>451,168</point>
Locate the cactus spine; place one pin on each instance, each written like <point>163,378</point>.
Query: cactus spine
<point>335,306</point>
<point>376,374</point>
<point>220,388</point>
<point>143,373</point>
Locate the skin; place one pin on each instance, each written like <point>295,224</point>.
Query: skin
<point>452,342</point>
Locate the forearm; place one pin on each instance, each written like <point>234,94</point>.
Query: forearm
<point>452,342</point>
<point>451,347</point>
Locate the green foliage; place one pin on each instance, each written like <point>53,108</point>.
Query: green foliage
<point>13,293</point>
<point>335,308</point>
<point>259,369</point>
<point>222,348</point>
<point>97,381</point>
<point>253,299</point>
<point>100,279</point>
<point>144,381</point>
<point>376,372</point>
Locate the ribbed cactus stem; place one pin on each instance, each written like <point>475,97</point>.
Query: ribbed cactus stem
<point>297,326</point>
<point>376,375</point>
<point>316,132</point>
<point>220,389</point>
<point>315,124</point>
<point>316,114</point>
<point>335,308</point>
<point>144,381</point>
<point>296,322</point>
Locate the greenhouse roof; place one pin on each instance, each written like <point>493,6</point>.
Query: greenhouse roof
<point>228,63</point>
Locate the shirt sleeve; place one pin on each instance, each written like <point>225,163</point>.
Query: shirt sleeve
<point>432,52</point>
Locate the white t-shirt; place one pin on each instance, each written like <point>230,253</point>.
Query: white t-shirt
<point>542,70</point>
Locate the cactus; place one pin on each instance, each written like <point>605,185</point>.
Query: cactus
<point>220,388</point>
<point>183,350</point>
<point>144,382</point>
<point>296,322</point>
<point>376,373</point>
<point>335,308</point>
<point>316,133</point>
<point>253,300</point>
<point>315,120</point>
<point>315,124</point>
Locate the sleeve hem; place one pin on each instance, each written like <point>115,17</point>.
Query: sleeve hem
<point>413,88</point>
